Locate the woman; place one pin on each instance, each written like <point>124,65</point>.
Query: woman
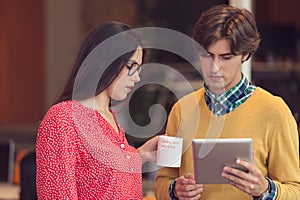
<point>82,152</point>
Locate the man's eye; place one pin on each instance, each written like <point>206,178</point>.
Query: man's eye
<point>227,57</point>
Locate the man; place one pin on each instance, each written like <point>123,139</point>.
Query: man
<point>231,107</point>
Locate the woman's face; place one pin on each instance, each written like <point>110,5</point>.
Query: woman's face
<point>124,83</point>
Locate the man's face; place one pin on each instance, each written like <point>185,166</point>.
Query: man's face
<point>221,69</point>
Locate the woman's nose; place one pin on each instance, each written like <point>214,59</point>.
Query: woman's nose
<point>136,77</point>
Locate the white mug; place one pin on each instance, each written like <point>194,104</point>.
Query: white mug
<point>169,151</point>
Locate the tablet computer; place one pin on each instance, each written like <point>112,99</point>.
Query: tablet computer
<point>210,155</point>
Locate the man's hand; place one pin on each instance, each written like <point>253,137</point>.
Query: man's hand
<point>186,188</point>
<point>254,183</point>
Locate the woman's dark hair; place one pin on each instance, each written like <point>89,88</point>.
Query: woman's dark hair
<point>236,25</point>
<point>99,61</point>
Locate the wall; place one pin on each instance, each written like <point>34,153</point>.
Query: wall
<point>62,37</point>
<point>21,61</point>
<point>278,11</point>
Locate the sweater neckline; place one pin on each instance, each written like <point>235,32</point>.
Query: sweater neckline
<point>238,109</point>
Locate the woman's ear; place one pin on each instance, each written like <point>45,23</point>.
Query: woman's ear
<point>246,57</point>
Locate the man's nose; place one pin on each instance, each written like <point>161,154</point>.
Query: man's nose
<point>215,65</point>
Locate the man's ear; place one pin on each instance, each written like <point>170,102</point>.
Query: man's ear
<point>246,57</point>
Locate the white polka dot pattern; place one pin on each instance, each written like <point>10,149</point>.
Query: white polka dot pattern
<point>80,156</point>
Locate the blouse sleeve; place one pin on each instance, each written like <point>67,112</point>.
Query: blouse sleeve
<point>56,158</point>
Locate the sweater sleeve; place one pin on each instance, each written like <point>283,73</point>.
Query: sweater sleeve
<point>56,158</point>
<point>283,160</point>
<point>166,175</point>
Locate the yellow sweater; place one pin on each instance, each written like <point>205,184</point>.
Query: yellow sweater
<point>263,117</point>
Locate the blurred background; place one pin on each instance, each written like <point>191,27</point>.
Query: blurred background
<point>39,40</point>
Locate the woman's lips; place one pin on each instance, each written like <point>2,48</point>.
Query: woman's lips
<point>129,88</point>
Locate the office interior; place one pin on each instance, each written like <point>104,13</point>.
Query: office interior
<point>39,40</point>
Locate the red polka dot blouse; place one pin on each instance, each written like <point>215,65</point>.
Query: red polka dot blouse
<point>80,156</point>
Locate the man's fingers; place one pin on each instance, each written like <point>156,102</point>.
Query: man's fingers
<point>189,176</point>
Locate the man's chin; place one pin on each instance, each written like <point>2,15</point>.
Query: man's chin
<point>216,88</point>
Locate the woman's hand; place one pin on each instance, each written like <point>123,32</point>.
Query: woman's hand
<point>148,150</point>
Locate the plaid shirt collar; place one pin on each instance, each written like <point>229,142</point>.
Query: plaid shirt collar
<point>224,103</point>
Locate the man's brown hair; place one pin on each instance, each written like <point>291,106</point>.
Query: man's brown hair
<point>236,25</point>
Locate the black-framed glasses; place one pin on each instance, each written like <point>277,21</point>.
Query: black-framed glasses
<point>133,67</point>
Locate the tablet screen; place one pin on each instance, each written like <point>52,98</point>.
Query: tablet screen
<point>210,155</point>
